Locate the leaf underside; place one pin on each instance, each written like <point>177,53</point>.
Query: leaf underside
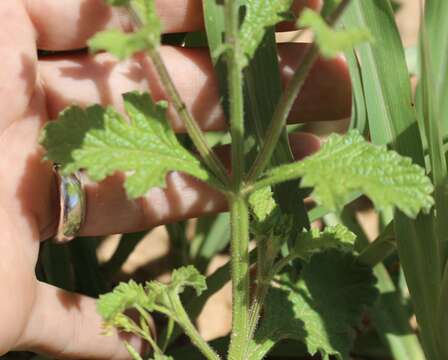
<point>103,142</point>
<point>260,14</point>
<point>348,164</point>
<point>320,309</point>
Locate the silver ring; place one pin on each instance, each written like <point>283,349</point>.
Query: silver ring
<point>72,201</point>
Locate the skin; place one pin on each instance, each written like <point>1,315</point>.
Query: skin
<point>36,316</point>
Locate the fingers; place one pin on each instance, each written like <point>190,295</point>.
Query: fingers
<point>68,24</point>
<point>86,79</point>
<point>109,211</point>
<point>18,61</point>
<point>74,327</point>
<point>327,93</point>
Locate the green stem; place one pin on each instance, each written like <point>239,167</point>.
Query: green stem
<point>185,323</point>
<point>263,285</point>
<point>193,129</point>
<point>378,250</point>
<point>287,101</point>
<point>239,215</point>
<point>235,81</point>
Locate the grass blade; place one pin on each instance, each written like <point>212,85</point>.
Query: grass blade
<point>212,236</point>
<point>263,93</point>
<point>436,13</point>
<point>389,314</point>
<point>392,121</point>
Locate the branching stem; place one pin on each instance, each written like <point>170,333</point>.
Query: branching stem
<point>194,131</point>
<point>240,264</point>
<point>234,57</point>
<point>185,323</point>
<point>287,101</point>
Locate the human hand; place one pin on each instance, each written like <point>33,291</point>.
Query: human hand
<point>36,316</point>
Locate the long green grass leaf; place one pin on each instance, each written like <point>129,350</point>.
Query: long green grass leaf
<point>436,14</point>
<point>392,120</point>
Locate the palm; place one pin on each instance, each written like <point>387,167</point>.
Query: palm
<point>24,199</point>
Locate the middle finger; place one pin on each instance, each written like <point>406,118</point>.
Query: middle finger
<point>86,79</point>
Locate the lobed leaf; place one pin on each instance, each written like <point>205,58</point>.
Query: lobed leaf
<point>123,297</point>
<point>122,45</point>
<point>332,42</point>
<point>102,142</point>
<point>262,203</point>
<point>187,276</point>
<point>332,237</point>
<point>260,15</point>
<point>320,309</point>
<point>348,164</point>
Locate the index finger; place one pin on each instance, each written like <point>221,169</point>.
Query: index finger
<point>68,24</point>
<point>18,62</point>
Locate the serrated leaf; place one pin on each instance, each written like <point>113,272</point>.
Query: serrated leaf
<point>269,222</point>
<point>122,45</point>
<point>187,276</point>
<point>260,14</point>
<point>102,142</point>
<point>262,203</point>
<point>332,237</point>
<point>123,297</point>
<point>347,164</point>
<point>320,309</point>
<point>332,42</point>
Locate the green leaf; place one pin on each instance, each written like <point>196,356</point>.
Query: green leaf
<point>123,297</point>
<point>212,236</point>
<point>262,203</point>
<point>160,294</point>
<point>260,14</point>
<point>122,45</point>
<point>392,121</point>
<point>102,142</point>
<point>320,309</point>
<point>314,241</point>
<point>188,276</point>
<point>332,42</point>
<point>347,164</point>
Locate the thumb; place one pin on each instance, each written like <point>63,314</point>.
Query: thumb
<point>65,325</point>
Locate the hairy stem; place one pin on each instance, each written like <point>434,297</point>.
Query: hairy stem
<point>185,323</point>
<point>239,215</point>
<point>287,100</point>
<point>263,285</point>
<point>239,212</point>
<point>196,134</point>
<point>193,129</point>
<point>235,80</point>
